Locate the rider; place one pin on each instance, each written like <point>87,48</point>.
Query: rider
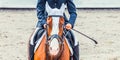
<point>69,24</point>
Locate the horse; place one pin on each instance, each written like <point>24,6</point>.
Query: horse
<point>54,35</point>
<point>52,43</point>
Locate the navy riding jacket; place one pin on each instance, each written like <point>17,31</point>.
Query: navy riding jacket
<point>42,15</point>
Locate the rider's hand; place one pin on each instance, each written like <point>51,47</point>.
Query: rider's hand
<point>68,26</point>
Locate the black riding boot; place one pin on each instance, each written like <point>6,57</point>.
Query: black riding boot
<point>36,36</point>
<point>76,52</point>
<point>31,52</point>
<point>71,39</point>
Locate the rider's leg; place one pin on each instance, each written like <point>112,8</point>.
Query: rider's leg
<point>74,44</point>
<point>31,52</point>
<point>34,37</point>
<point>31,44</point>
<point>76,52</point>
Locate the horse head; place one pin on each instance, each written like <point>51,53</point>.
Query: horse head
<point>54,42</point>
<point>55,23</point>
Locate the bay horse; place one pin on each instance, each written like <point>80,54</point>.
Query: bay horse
<point>53,45</point>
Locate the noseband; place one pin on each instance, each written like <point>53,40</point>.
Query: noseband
<point>61,46</point>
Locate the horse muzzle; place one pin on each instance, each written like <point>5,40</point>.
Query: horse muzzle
<point>54,46</point>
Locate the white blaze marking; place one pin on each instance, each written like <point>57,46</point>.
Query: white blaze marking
<point>54,46</point>
<point>55,24</point>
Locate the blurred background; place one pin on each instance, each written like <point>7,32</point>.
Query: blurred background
<point>79,3</point>
<point>99,19</point>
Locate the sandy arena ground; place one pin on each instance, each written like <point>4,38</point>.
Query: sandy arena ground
<point>103,25</point>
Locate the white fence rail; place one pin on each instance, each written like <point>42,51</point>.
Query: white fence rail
<point>78,3</point>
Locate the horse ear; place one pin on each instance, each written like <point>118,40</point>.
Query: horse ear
<point>61,20</point>
<point>49,19</point>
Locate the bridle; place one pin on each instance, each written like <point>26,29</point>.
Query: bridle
<point>49,39</point>
<point>61,45</point>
